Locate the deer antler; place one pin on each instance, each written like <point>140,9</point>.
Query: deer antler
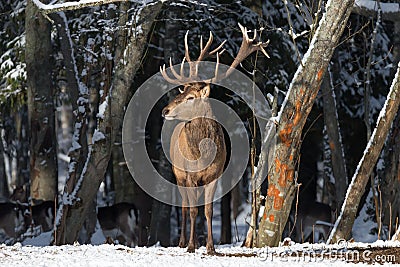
<point>247,47</point>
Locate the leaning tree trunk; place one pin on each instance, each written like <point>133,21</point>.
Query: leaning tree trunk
<point>344,224</point>
<point>129,51</point>
<point>391,178</point>
<point>331,121</point>
<point>43,149</point>
<point>292,117</point>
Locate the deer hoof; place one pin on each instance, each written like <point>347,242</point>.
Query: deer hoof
<point>210,250</point>
<point>182,244</point>
<point>190,249</point>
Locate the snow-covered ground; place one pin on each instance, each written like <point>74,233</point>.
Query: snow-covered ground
<point>228,255</point>
<point>36,252</point>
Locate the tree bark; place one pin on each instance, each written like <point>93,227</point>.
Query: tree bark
<point>292,117</point>
<point>391,181</point>
<point>4,192</point>
<point>334,139</point>
<point>344,224</point>
<point>43,149</point>
<point>129,51</point>
<point>226,228</point>
<point>391,178</point>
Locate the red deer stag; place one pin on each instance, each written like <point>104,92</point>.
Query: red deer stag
<point>197,163</point>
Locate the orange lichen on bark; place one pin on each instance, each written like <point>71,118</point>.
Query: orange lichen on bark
<point>282,175</point>
<point>297,117</point>
<point>285,133</point>
<point>332,145</point>
<point>320,74</point>
<point>285,174</point>
<point>273,191</point>
<point>271,218</point>
<point>278,202</point>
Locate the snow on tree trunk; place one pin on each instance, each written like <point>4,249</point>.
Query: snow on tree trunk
<point>345,221</point>
<point>129,51</point>
<point>43,149</point>
<point>391,178</point>
<point>292,117</point>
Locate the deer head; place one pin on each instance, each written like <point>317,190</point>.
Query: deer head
<point>199,89</point>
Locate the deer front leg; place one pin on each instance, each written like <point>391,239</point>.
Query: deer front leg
<point>210,241</point>
<point>182,240</point>
<point>192,239</point>
<point>209,195</point>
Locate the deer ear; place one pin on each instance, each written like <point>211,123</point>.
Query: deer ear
<point>205,91</point>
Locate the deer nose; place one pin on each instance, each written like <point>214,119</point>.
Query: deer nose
<point>165,112</point>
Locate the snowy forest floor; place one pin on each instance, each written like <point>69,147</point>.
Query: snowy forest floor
<point>351,254</point>
<point>365,251</point>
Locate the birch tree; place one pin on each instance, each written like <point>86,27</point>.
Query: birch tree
<point>292,117</point>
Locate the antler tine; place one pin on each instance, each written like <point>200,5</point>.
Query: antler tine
<point>246,48</point>
<point>182,65</point>
<point>177,76</point>
<point>187,47</point>
<point>166,77</point>
<point>218,48</point>
<point>244,31</point>
<point>217,67</point>
<point>204,51</point>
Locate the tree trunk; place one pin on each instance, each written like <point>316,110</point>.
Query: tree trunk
<point>129,51</point>
<point>123,182</point>
<point>43,149</point>
<point>334,139</point>
<point>391,178</point>
<point>344,224</point>
<point>391,181</point>
<point>292,117</point>
<point>4,193</point>
<point>226,229</point>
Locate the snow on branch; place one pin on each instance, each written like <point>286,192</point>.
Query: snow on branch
<point>51,8</point>
<point>369,8</point>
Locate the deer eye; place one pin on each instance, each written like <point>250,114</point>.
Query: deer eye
<point>190,98</point>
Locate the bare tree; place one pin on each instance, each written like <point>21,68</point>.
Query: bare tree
<point>43,148</point>
<point>334,138</point>
<point>129,50</point>
<point>292,117</point>
<point>344,223</point>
